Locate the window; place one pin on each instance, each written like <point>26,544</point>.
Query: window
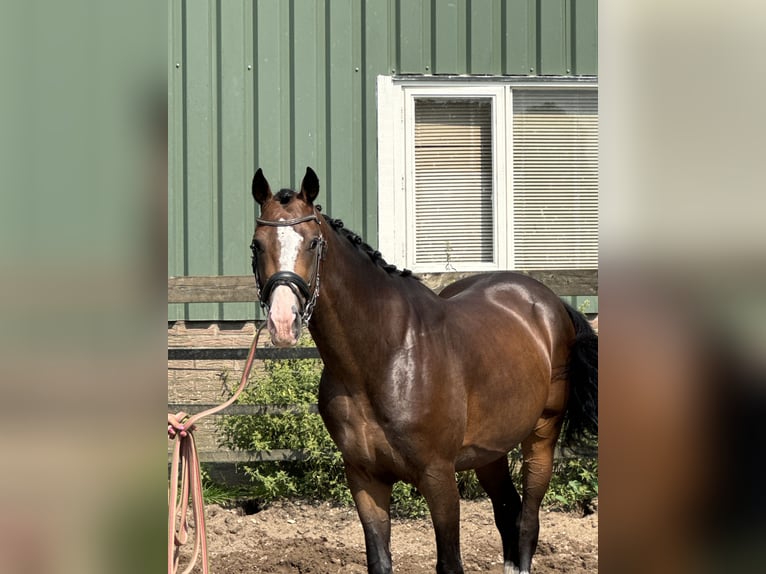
<point>487,175</point>
<point>453,189</point>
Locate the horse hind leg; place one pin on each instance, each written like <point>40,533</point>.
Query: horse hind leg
<point>537,450</point>
<point>495,479</point>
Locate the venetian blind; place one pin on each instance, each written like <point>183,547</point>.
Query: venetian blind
<point>555,173</point>
<point>453,202</point>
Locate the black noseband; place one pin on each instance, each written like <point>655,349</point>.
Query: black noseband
<point>289,279</point>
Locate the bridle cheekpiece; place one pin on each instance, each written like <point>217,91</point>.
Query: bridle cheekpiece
<point>303,290</point>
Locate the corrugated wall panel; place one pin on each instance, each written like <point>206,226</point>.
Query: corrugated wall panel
<point>584,39</point>
<point>235,221</point>
<point>285,84</point>
<point>449,43</point>
<point>485,46</point>
<point>201,130</point>
<point>376,57</point>
<point>413,35</point>
<point>344,112</point>
<point>273,89</point>
<point>306,76</point>
<point>553,34</point>
<point>176,150</point>
<point>518,49</point>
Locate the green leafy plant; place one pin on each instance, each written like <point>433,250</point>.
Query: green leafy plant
<point>215,493</point>
<point>319,473</point>
<point>574,485</point>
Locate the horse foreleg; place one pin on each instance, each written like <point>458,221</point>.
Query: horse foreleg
<point>495,479</point>
<point>373,501</point>
<point>537,468</point>
<point>438,486</point>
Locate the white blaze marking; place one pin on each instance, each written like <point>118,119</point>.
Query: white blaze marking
<point>289,247</point>
<point>283,305</point>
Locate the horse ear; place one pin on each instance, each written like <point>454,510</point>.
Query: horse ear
<point>310,186</point>
<point>260,187</point>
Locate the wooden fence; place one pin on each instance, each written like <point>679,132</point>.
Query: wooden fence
<point>226,289</point>
<point>241,288</point>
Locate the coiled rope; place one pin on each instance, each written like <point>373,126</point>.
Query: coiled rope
<point>186,490</point>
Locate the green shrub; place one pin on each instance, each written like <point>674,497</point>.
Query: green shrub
<point>574,485</point>
<point>320,475</point>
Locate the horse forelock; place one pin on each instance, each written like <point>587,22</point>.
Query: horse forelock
<point>285,204</point>
<point>285,196</point>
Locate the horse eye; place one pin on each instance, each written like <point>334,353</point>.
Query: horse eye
<point>313,244</point>
<point>256,246</point>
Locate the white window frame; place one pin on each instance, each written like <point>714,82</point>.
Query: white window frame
<point>396,124</point>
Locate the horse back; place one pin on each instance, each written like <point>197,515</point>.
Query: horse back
<point>519,299</point>
<point>499,279</point>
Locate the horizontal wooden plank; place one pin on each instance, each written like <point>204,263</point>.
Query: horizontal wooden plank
<point>212,289</point>
<point>193,408</point>
<point>249,456</point>
<point>276,455</point>
<point>241,288</point>
<point>287,455</point>
<point>240,353</point>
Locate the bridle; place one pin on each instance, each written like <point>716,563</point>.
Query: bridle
<point>303,290</point>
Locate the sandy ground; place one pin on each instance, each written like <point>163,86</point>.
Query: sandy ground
<point>294,537</point>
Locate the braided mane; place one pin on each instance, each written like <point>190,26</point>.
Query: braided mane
<point>365,248</point>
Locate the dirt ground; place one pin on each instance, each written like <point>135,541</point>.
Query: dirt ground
<point>294,537</point>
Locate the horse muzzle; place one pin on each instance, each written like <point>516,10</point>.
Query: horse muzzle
<point>284,320</point>
<point>287,296</point>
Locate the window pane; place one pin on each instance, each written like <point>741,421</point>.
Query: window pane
<point>555,162</point>
<point>454,220</point>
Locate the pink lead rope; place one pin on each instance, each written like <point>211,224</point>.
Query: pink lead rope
<point>180,427</point>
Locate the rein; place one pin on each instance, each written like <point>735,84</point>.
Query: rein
<point>185,459</point>
<point>295,282</point>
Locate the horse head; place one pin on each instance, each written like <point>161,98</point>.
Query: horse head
<point>288,247</point>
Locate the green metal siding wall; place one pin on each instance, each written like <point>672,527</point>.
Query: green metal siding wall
<point>282,84</point>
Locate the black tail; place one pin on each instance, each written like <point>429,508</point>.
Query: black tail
<point>581,423</point>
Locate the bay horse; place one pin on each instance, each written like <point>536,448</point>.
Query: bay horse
<point>417,386</point>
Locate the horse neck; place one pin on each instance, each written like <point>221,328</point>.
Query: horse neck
<point>362,312</point>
